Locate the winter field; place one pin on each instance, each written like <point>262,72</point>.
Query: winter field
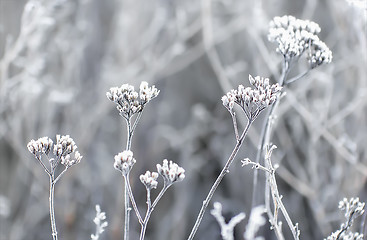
<point>259,107</point>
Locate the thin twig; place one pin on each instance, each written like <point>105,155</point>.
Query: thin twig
<point>224,171</point>
<point>233,115</point>
<point>277,199</point>
<point>150,209</point>
<point>52,208</point>
<point>132,199</point>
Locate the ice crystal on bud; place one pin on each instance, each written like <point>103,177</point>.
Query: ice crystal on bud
<point>149,179</point>
<point>295,36</point>
<point>130,101</point>
<point>252,101</point>
<point>171,172</point>
<point>124,161</point>
<point>41,146</point>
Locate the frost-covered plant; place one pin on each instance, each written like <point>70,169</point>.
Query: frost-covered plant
<point>255,222</point>
<point>62,152</point>
<point>101,223</point>
<point>226,228</point>
<point>276,197</point>
<point>129,103</point>
<point>252,101</point>
<point>294,37</point>
<point>171,173</point>
<point>353,208</point>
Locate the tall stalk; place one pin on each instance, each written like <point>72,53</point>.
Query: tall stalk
<point>130,132</point>
<point>224,171</point>
<point>52,208</point>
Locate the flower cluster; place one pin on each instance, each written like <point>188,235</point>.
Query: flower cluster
<point>129,101</point>
<point>124,161</point>
<point>62,149</point>
<point>149,179</point>
<point>353,209</point>
<point>295,36</point>
<point>252,101</point>
<point>100,221</point>
<point>41,146</point>
<point>171,172</point>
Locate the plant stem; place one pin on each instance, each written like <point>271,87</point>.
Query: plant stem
<point>277,199</point>
<point>224,171</point>
<point>265,132</point>
<point>126,191</point>
<point>150,209</point>
<point>52,209</point>
<point>130,132</point>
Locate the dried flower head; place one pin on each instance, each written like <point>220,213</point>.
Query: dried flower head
<point>353,208</point>
<point>147,93</point>
<point>42,146</point>
<point>129,101</point>
<point>295,36</point>
<point>63,148</point>
<point>149,179</point>
<point>124,161</point>
<point>252,101</point>
<point>64,151</point>
<point>171,172</point>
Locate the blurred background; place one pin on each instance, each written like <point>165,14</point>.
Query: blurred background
<point>58,58</point>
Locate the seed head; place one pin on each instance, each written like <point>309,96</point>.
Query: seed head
<point>149,179</point>
<point>252,101</point>
<point>171,172</point>
<point>130,102</point>
<point>124,161</point>
<point>295,36</point>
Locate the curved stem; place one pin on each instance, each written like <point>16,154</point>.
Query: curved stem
<point>224,171</point>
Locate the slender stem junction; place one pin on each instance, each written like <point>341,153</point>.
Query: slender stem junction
<point>224,171</point>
